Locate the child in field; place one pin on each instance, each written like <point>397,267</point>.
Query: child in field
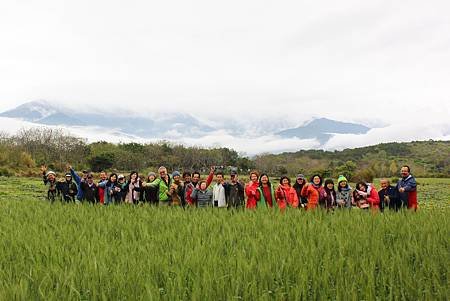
<point>344,196</point>
<point>202,196</point>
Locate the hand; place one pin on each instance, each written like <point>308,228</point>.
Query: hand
<point>401,190</point>
<point>212,169</point>
<point>43,168</point>
<point>68,166</point>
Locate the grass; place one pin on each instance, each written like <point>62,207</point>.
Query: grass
<point>83,252</point>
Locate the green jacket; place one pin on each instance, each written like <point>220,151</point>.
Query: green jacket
<point>163,188</point>
<point>262,203</point>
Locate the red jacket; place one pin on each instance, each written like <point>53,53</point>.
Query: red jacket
<point>250,190</point>
<point>373,198</point>
<point>286,195</point>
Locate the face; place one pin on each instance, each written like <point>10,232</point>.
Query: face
<point>195,178</point>
<point>264,179</point>
<point>103,175</point>
<point>343,184</point>
<point>404,172</point>
<point>121,180</point>
<point>316,180</point>
<point>187,178</point>
<point>68,179</point>
<point>362,188</point>
<point>254,177</point>
<point>113,178</point>
<point>90,180</point>
<point>176,178</point>
<point>234,178</point>
<point>163,173</point>
<point>51,177</point>
<point>285,182</point>
<point>330,186</point>
<point>133,176</point>
<point>384,184</point>
<point>203,186</point>
<point>300,181</point>
<point>219,178</point>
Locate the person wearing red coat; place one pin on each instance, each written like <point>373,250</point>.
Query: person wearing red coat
<point>366,196</point>
<point>286,194</point>
<point>251,190</point>
<point>314,192</point>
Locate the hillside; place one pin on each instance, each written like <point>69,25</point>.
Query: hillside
<point>26,151</point>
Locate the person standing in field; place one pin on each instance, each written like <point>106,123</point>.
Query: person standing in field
<point>86,186</point>
<point>265,194</point>
<point>366,196</point>
<point>407,188</point>
<point>314,192</point>
<point>68,188</point>
<point>150,193</point>
<point>195,184</point>
<point>162,184</point>
<point>219,196</point>
<point>234,192</point>
<point>344,196</point>
<point>49,178</point>
<point>176,191</point>
<point>202,196</point>
<point>132,188</point>
<point>286,195</point>
<point>388,195</point>
<point>101,190</point>
<point>298,186</point>
<point>250,190</point>
<point>330,199</point>
<point>111,189</point>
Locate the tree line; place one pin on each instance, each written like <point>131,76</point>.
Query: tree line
<point>21,153</point>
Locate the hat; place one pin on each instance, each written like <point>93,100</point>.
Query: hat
<point>68,175</point>
<point>342,179</point>
<point>151,174</point>
<point>233,173</point>
<point>120,177</point>
<point>301,176</point>
<point>50,173</point>
<point>89,175</point>
<point>176,173</point>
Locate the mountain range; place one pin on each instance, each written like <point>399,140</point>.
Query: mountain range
<point>168,126</point>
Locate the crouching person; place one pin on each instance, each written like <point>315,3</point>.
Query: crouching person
<point>366,196</point>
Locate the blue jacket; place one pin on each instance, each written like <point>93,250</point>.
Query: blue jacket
<point>77,179</point>
<point>410,186</point>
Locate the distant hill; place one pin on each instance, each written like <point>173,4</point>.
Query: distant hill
<point>323,129</point>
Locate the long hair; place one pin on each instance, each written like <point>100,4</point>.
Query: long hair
<point>268,182</point>
<point>320,177</point>
<point>284,177</point>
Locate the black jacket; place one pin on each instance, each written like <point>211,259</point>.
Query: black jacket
<point>390,198</point>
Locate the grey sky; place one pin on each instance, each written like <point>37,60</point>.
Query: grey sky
<point>372,61</point>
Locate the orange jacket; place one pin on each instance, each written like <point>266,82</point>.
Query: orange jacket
<point>286,195</point>
<point>250,191</point>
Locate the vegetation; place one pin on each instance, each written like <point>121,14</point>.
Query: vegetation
<point>20,154</point>
<point>70,251</point>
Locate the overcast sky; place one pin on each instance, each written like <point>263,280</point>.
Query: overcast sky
<point>372,61</point>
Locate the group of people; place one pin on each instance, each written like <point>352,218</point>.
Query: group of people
<point>190,190</point>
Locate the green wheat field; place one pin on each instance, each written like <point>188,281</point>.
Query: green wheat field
<point>84,252</point>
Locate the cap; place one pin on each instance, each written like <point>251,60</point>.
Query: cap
<point>176,173</point>
<point>301,176</point>
<point>120,177</point>
<point>50,173</point>
<point>151,174</point>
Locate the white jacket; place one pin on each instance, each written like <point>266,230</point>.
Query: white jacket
<point>219,195</point>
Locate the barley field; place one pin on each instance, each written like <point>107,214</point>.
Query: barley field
<point>83,252</point>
